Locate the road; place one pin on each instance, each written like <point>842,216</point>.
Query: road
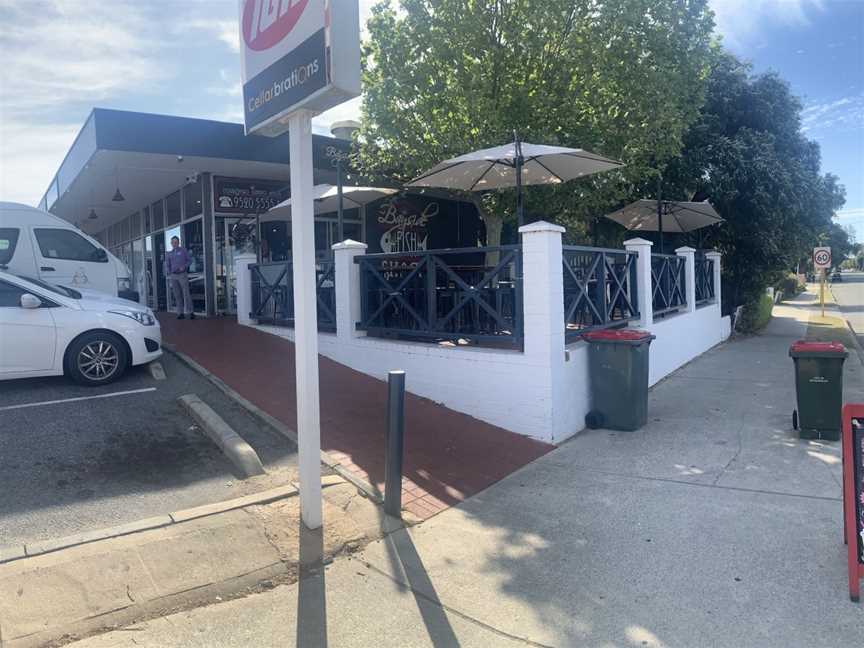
<point>849,294</point>
<point>68,466</point>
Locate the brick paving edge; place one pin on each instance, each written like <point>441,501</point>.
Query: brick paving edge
<point>366,489</point>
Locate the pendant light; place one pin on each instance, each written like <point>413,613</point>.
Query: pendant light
<point>92,215</point>
<point>118,197</point>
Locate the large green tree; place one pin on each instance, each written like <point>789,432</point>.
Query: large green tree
<point>746,153</point>
<point>444,77</point>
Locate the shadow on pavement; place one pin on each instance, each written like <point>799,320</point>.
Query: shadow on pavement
<point>311,594</point>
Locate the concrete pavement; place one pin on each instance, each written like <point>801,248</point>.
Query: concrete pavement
<point>713,526</point>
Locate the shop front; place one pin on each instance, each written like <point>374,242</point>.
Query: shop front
<point>134,181</point>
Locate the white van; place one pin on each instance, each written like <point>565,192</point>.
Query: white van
<point>37,244</point>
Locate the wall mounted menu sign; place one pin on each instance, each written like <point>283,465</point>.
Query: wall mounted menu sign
<point>247,196</point>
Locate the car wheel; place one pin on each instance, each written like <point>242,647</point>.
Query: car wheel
<point>96,358</point>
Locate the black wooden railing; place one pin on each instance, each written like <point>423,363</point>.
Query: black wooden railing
<point>468,293</point>
<point>668,292</point>
<point>599,289</point>
<point>273,293</point>
<point>704,276</point>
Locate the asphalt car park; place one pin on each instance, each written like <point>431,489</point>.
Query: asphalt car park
<point>76,458</point>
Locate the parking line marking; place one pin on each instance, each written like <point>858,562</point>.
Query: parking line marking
<point>80,398</point>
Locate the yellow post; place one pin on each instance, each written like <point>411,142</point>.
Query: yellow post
<point>822,293</point>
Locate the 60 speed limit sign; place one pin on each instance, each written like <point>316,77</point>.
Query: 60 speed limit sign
<point>822,257</point>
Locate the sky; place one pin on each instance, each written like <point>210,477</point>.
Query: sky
<point>60,58</point>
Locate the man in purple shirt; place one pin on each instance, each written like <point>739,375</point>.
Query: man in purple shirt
<point>177,270</point>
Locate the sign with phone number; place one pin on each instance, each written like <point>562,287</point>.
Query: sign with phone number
<point>247,196</point>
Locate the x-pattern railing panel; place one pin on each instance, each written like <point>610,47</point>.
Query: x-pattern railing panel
<point>443,294</point>
<point>273,293</point>
<point>704,277</point>
<point>668,291</point>
<point>599,288</point>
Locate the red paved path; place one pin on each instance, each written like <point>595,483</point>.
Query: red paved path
<point>448,456</point>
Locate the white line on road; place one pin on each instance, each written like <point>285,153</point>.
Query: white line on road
<point>80,398</point>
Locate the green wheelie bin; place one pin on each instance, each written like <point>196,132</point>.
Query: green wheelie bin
<point>818,388</point>
<point>618,367</point>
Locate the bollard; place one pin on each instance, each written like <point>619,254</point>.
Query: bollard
<point>394,441</point>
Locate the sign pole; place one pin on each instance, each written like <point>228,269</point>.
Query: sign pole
<point>822,293</point>
<point>305,317</point>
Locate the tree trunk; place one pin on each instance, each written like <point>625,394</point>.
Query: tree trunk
<point>494,225</point>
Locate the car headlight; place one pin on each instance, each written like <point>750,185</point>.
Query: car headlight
<point>145,319</point>
<point>124,283</point>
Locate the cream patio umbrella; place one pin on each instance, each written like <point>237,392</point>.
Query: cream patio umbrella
<point>514,165</point>
<point>326,199</point>
<point>661,216</point>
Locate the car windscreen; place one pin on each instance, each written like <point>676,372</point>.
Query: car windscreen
<point>57,290</point>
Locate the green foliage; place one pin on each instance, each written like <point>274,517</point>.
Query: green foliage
<point>756,314</point>
<point>444,77</point>
<point>789,285</point>
<point>747,154</point>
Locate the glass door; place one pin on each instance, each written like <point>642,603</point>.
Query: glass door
<point>231,234</point>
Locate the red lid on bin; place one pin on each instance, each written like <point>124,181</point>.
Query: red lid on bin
<point>617,335</point>
<point>809,346</point>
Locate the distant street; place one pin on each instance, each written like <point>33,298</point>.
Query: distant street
<point>849,294</point>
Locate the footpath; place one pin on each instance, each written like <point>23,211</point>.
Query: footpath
<point>713,526</point>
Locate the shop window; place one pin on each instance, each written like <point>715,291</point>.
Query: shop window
<point>124,230</point>
<point>192,199</point>
<point>67,245</point>
<point>158,216</point>
<point>135,225</point>
<point>172,209</point>
<point>8,241</point>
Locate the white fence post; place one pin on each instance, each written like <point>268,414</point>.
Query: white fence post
<point>715,257</point>
<point>347,279</point>
<point>543,289</point>
<point>243,285</point>
<point>644,285</point>
<point>689,255</point>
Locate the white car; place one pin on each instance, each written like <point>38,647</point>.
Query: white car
<point>48,330</point>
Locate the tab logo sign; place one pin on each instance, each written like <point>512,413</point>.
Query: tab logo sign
<point>283,59</point>
<point>266,22</point>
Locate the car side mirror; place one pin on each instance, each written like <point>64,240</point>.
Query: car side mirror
<point>30,301</point>
<point>100,255</point>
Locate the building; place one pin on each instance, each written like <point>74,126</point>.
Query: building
<point>133,180</point>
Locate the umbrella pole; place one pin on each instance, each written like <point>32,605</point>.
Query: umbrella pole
<point>340,229</point>
<point>519,209</point>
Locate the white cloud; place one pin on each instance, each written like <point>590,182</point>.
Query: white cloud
<point>30,156</point>
<point>844,113</point>
<point>62,57</point>
<point>59,58</point>
<point>226,31</point>
<point>740,21</point>
<point>57,52</point>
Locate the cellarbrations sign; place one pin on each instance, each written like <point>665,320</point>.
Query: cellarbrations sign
<point>296,54</point>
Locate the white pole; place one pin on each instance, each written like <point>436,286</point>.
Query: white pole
<point>305,317</point>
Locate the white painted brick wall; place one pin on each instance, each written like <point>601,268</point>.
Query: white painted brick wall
<point>544,392</point>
